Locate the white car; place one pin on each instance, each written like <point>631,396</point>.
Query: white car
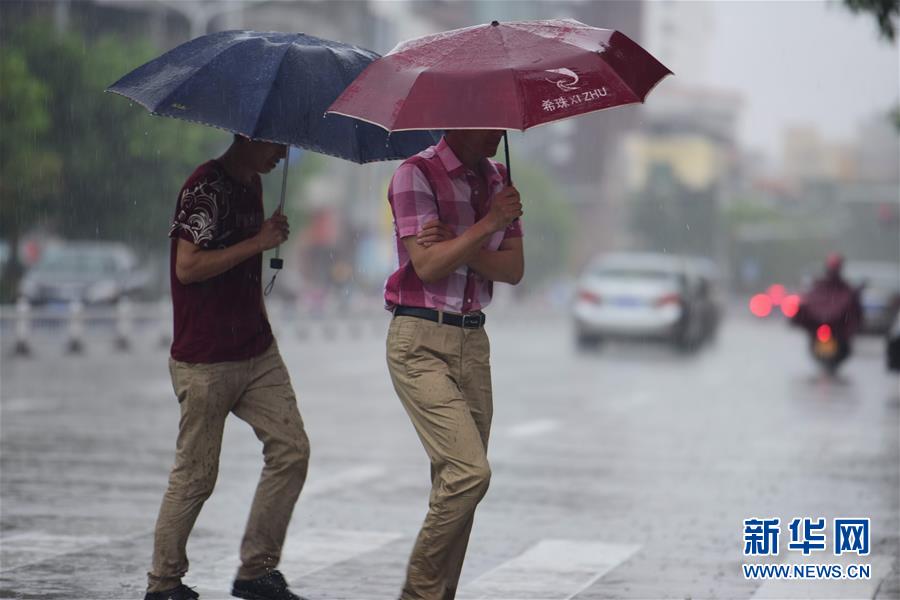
<point>84,271</point>
<point>647,296</point>
<point>880,297</point>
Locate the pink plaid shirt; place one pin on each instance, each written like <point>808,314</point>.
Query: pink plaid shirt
<point>434,184</point>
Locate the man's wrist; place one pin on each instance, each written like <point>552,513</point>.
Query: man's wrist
<point>485,227</point>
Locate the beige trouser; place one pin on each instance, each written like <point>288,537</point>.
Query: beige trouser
<point>442,375</point>
<point>259,392</point>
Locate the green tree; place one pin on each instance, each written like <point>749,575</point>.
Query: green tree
<point>78,161</point>
<point>884,11</point>
<point>27,166</point>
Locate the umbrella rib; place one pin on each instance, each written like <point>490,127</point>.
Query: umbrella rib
<point>427,41</point>
<point>205,66</point>
<point>268,95</point>
<point>226,97</point>
<point>390,127</point>
<point>450,49</point>
<point>517,88</point>
<point>126,80</point>
<point>443,55</point>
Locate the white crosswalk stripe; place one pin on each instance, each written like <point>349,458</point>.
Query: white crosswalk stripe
<point>549,570</point>
<point>213,548</point>
<point>34,547</point>
<point>305,552</point>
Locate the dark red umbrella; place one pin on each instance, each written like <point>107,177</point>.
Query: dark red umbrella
<point>513,75</point>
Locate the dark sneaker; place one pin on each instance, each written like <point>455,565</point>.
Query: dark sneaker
<point>182,592</point>
<point>271,586</point>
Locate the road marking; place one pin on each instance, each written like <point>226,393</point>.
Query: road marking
<point>214,552</point>
<point>305,552</point>
<point>533,428</point>
<point>313,550</point>
<point>549,570</point>
<point>824,589</point>
<point>35,547</point>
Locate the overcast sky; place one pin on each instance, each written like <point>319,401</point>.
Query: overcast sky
<point>801,62</point>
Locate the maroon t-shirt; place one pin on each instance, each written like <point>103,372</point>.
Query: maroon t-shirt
<point>222,318</point>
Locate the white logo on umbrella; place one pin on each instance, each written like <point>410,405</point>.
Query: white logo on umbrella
<point>565,85</point>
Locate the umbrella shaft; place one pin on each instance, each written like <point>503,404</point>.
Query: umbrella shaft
<point>508,168</point>
<point>284,172</point>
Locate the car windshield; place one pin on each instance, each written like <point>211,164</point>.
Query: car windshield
<point>80,262</point>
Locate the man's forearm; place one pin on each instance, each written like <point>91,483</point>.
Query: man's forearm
<point>505,266</point>
<point>440,260</point>
<point>201,265</point>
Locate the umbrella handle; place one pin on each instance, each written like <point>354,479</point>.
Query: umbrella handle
<point>276,262</point>
<point>506,150</point>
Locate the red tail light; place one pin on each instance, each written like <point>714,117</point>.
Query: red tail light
<point>823,333</point>
<point>761,305</point>
<point>589,296</point>
<point>668,299</point>
<point>776,293</point>
<point>790,305</point>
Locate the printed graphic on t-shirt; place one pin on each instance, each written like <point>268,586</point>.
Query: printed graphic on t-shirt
<point>203,210</point>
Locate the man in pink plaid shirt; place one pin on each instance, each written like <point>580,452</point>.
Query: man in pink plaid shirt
<point>457,230</point>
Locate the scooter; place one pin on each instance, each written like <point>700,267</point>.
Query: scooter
<point>830,328</point>
<point>829,349</point>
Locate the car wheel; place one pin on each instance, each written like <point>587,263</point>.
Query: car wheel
<point>587,341</point>
<point>687,339</point>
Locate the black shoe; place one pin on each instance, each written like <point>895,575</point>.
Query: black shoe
<point>271,586</point>
<point>182,592</point>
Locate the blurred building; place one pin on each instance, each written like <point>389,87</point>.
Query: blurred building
<point>878,150</point>
<point>684,161</point>
<point>683,165</point>
<point>679,33</point>
<point>694,130</point>
<point>872,157</point>
<point>831,195</point>
<point>808,157</point>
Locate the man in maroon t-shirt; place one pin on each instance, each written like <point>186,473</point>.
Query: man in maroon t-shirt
<point>225,360</point>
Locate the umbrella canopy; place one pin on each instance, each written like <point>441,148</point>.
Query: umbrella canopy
<point>268,86</point>
<point>512,75</point>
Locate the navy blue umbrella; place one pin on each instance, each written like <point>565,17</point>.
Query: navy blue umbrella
<point>269,86</point>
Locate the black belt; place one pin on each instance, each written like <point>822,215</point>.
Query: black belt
<point>468,321</point>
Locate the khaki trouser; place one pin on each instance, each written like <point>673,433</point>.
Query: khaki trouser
<point>259,392</point>
<point>442,375</point>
